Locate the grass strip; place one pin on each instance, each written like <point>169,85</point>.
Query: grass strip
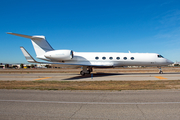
<point>91,85</point>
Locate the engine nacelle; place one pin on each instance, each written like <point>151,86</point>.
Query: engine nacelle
<point>61,55</point>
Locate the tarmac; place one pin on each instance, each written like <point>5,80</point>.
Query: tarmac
<point>91,77</point>
<point>90,105</point>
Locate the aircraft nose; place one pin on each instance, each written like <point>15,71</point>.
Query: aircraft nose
<point>168,61</point>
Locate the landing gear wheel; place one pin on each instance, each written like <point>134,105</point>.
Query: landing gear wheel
<point>82,73</point>
<point>89,72</point>
<point>160,70</point>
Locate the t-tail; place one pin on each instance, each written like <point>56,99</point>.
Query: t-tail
<point>41,46</point>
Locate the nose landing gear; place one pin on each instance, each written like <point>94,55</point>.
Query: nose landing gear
<point>160,70</point>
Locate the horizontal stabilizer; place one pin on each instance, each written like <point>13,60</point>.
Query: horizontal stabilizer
<point>41,46</point>
<point>20,35</point>
<point>28,57</point>
<point>27,36</point>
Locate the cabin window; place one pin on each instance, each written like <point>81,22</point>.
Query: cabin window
<point>96,58</point>
<point>160,56</point>
<point>125,58</point>
<point>117,58</point>
<point>103,58</point>
<point>132,58</point>
<point>110,58</point>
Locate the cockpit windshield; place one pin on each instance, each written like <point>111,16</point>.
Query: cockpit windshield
<point>160,56</point>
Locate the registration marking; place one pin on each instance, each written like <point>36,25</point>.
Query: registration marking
<point>160,77</point>
<point>42,78</point>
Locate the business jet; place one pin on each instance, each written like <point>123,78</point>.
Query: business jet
<point>89,60</point>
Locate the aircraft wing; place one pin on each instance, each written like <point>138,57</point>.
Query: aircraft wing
<point>30,59</point>
<point>80,64</point>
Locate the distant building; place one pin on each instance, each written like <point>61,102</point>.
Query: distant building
<point>2,66</point>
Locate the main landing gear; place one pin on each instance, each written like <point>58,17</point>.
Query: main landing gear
<point>86,70</point>
<point>160,70</point>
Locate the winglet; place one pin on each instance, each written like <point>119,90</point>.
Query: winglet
<point>28,57</point>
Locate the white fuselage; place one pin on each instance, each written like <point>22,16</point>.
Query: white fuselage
<point>113,59</point>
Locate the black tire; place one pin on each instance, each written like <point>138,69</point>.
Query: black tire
<point>89,72</point>
<point>82,73</point>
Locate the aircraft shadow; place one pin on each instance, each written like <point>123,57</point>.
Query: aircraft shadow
<point>93,75</point>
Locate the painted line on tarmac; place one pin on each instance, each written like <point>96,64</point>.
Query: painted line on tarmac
<point>92,103</point>
<point>43,78</point>
<point>160,77</point>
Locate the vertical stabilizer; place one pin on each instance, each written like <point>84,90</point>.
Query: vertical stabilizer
<point>41,46</point>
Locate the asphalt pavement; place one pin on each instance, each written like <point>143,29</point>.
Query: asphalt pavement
<point>101,105</point>
<point>91,77</point>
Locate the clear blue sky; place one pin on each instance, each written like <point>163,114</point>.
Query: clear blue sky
<point>144,26</point>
